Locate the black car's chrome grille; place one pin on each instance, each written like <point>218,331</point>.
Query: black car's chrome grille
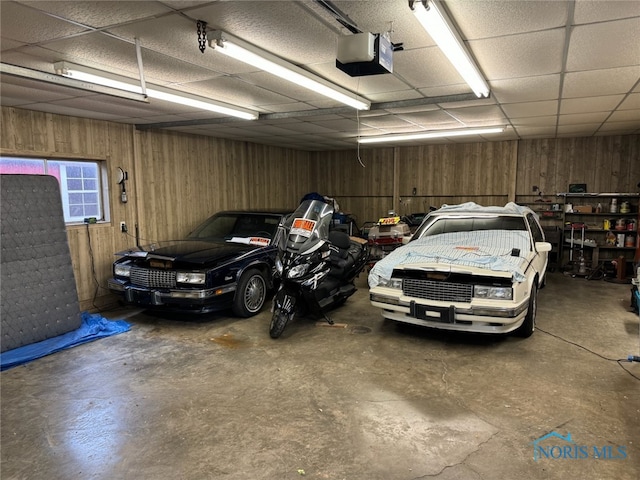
<point>151,278</point>
<point>437,290</point>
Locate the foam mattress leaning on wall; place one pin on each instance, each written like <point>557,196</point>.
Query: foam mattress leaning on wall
<point>38,288</point>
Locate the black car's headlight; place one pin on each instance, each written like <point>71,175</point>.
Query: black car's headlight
<point>278,265</point>
<point>493,293</point>
<point>191,278</point>
<point>121,270</point>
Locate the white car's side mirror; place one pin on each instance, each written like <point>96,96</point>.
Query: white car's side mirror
<point>543,247</point>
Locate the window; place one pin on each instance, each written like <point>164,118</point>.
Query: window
<point>82,184</point>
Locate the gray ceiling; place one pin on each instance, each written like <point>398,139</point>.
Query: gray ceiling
<point>555,68</point>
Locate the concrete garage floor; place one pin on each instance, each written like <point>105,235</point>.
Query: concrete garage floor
<point>218,399</point>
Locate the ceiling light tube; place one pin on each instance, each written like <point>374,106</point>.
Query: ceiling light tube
<point>434,20</point>
<point>90,75</point>
<point>69,82</point>
<point>245,52</point>
<point>433,134</point>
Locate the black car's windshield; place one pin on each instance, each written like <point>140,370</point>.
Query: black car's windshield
<point>237,227</point>
<point>437,225</point>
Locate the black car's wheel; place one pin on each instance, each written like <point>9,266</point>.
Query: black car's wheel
<point>278,322</point>
<point>529,325</point>
<point>251,294</point>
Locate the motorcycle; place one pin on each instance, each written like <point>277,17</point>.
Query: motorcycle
<point>317,266</point>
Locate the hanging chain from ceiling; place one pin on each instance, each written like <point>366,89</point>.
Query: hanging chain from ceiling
<point>202,35</point>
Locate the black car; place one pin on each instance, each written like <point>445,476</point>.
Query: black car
<point>227,262</point>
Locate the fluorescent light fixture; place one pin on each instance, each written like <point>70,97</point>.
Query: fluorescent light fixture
<point>90,75</point>
<point>69,82</point>
<point>245,52</point>
<point>433,134</point>
<point>434,20</point>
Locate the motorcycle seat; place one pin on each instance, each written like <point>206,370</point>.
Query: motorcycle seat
<point>340,258</point>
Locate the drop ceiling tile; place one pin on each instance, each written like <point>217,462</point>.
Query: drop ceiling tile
<point>527,89</point>
<point>529,54</point>
<point>592,11</point>
<point>625,116</point>
<point>591,45</point>
<point>632,102</point>
<point>307,127</point>
<point>415,109</point>
<point>490,114</point>
<point>582,118</point>
<point>529,131</point>
<point>103,14</point>
<point>23,24</point>
<point>432,119</point>
<point>488,19</point>
<point>427,67</point>
<point>546,121</point>
<point>394,96</point>
<point>447,90</point>
<point>619,128</point>
<point>590,104</point>
<point>583,130</point>
<point>531,109</point>
<point>74,112</point>
<point>600,82</point>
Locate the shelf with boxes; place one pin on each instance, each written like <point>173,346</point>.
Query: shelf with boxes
<point>603,226</point>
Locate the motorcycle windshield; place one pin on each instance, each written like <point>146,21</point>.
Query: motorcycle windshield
<point>307,226</point>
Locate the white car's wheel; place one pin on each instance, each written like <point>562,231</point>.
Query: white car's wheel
<point>529,325</point>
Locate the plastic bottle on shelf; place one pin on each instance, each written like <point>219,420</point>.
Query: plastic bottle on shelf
<point>599,208</point>
<point>614,206</point>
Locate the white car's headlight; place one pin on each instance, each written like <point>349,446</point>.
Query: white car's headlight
<point>122,270</point>
<point>298,270</point>
<point>392,283</point>
<point>192,278</point>
<point>494,293</point>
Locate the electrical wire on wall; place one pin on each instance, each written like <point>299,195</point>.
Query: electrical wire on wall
<point>358,122</point>
<point>93,271</point>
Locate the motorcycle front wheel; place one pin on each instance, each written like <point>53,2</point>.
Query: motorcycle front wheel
<point>278,322</point>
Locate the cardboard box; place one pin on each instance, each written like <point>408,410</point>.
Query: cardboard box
<point>583,208</point>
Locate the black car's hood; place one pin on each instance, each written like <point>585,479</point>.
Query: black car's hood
<point>192,251</point>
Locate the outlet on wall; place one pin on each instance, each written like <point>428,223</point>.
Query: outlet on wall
<point>123,227</point>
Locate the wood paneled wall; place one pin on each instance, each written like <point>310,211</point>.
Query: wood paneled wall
<point>176,180</point>
<point>491,173</point>
<point>479,172</point>
<point>605,164</point>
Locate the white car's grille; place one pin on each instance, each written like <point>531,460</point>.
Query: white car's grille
<point>146,277</point>
<point>437,290</point>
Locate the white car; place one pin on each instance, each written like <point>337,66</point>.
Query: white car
<point>467,268</point>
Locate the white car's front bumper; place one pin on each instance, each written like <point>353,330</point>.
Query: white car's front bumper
<point>480,318</point>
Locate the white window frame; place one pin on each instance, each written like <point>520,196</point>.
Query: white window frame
<point>102,186</point>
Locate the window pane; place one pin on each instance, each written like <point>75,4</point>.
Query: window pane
<point>25,166</point>
<point>73,171</point>
<point>74,184</point>
<point>90,198</point>
<point>75,198</point>
<point>89,184</point>
<point>76,211</point>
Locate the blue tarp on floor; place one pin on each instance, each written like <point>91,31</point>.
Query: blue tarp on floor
<point>93,327</point>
